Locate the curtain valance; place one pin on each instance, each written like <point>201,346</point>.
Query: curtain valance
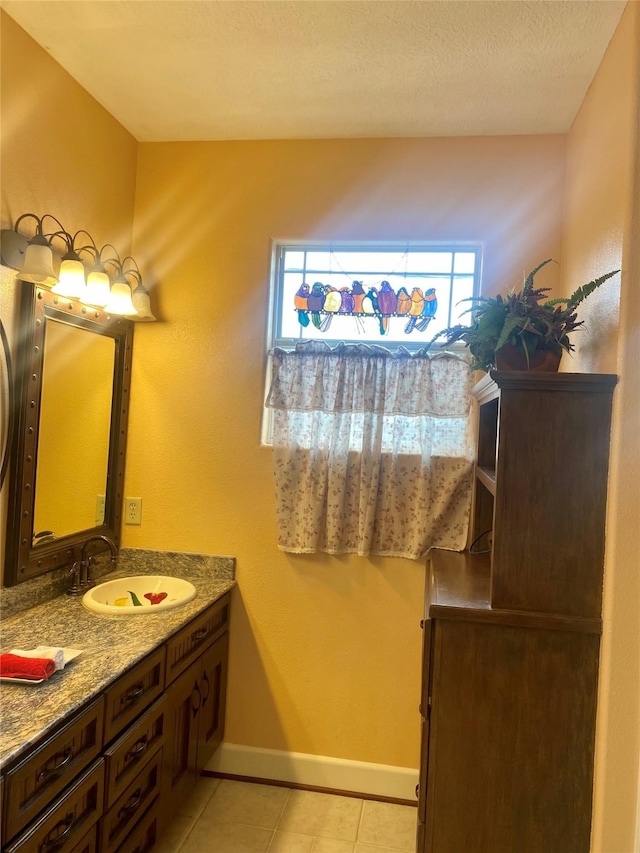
<point>359,378</point>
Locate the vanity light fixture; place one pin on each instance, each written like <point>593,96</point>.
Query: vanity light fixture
<point>98,281</point>
<point>140,295</point>
<point>34,255</point>
<point>36,259</point>
<point>142,303</point>
<point>71,281</point>
<point>120,295</point>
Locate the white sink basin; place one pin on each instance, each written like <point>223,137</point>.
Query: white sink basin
<point>139,595</point>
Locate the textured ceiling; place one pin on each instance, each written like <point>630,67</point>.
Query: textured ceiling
<point>273,69</point>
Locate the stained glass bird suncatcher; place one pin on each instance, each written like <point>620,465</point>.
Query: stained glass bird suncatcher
<point>319,302</point>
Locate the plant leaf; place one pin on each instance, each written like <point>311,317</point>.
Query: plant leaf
<point>582,292</point>
<point>528,282</point>
<point>135,599</point>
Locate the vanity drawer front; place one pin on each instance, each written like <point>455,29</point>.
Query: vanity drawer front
<point>185,646</point>
<point>133,802</point>
<point>31,785</point>
<point>89,843</point>
<point>63,826</point>
<point>126,755</point>
<point>145,834</point>
<point>132,693</point>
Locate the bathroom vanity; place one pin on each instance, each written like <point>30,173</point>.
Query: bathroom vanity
<point>99,756</point>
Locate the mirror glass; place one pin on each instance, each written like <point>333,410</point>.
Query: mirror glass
<point>75,415</point>
<point>71,405</point>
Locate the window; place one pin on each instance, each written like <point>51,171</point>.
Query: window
<point>370,293</point>
<point>372,445</point>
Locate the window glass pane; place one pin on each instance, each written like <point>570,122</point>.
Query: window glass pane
<point>380,263</point>
<point>293,260</point>
<point>464,262</point>
<point>462,290</point>
<point>318,261</point>
<point>433,262</point>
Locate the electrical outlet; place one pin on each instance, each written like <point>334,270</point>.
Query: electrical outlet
<point>133,511</point>
<point>99,519</point>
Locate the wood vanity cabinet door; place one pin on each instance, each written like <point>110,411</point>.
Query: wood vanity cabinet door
<point>127,754</point>
<point>62,826</point>
<point>183,700</point>
<point>33,783</point>
<point>213,686</point>
<point>132,693</point>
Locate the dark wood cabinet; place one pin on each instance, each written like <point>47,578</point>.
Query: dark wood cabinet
<point>111,776</point>
<point>195,710</point>
<point>512,635</point>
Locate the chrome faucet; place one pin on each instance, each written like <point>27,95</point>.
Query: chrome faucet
<point>81,571</point>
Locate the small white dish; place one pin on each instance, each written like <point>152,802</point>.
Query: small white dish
<point>69,655</point>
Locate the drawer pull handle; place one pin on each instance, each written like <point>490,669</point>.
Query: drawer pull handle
<point>199,635</point>
<point>132,803</point>
<point>137,749</point>
<point>417,790</point>
<point>205,679</point>
<point>65,758</point>
<point>55,838</point>
<point>134,694</point>
<point>196,708</point>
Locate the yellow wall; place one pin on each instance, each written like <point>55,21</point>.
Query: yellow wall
<point>325,651</point>
<point>325,654</point>
<point>63,154</point>
<point>601,233</point>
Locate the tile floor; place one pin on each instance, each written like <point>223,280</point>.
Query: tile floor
<point>226,816</point>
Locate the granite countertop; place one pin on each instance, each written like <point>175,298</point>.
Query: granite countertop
<point>110,645</point>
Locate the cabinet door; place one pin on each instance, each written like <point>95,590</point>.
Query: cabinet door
<point>183,701</point>
<point>425,706</point>
<point>213,687</point>
<point>511,739</point>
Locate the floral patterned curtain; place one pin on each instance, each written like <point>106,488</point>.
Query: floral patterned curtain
<point>373,451</point>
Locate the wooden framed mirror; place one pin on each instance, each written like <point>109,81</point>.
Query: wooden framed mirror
<point>72,381</point>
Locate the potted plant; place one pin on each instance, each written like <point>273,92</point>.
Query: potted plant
<point>522,330</point>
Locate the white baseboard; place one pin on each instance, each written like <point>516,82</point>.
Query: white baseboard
<point>317,771</point>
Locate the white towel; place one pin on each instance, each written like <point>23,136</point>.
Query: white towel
<point>51,652</point>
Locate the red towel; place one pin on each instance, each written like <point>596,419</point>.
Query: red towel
<point>33,669</point>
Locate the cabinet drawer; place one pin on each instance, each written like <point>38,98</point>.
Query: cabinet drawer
<point>89,843</point>
<point>31,785</point>
<point>136,798</point>
<point>185,646</point>
<point>65,824</point>
<point>135,747</point>
<point>132,693</point>
<point>145,834</point>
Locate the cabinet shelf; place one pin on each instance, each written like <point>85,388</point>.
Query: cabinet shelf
<point>487,477</point>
